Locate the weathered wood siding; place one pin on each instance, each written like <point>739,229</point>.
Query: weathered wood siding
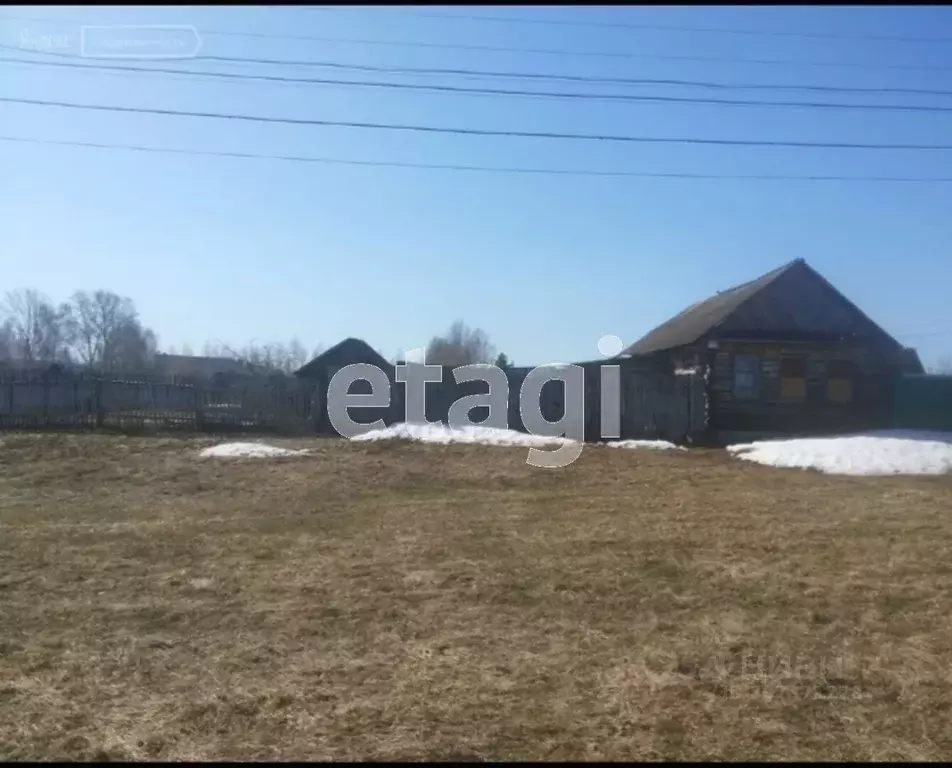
<point>661,405</point>
<point>813,409</point>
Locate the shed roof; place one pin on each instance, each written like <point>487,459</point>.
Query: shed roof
<point>346,352</point>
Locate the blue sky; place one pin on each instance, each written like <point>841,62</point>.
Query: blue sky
<point>239,249</point>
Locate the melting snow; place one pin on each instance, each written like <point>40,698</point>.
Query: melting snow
<point>251,450</point>
<point>473,434</point>
<point>876,453</point>
<point>658,445</point>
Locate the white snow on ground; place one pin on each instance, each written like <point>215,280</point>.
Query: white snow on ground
<point>473,434</point>
<point>247,450</point>
<point>441,433</point>
<point>658,445</point>
<point>893,452</point>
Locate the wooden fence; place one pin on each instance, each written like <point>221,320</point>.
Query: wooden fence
<point>923,402</point>
<point>264,406</point>
<point>655,404</point>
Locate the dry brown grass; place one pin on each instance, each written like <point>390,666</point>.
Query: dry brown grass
<point>399,601</point>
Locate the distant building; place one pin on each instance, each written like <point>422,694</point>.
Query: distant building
<point>198,367</point>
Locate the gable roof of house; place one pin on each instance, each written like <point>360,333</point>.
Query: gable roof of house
<point>911,363</point>
<point>696,321</point>
<point>346,352</point>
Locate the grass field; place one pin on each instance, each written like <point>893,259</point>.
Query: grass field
<point>404,601</point>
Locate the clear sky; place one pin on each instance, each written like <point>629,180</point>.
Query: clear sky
<point>239,249</point>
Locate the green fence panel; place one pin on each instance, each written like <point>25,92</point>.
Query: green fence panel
<point>923,401</point>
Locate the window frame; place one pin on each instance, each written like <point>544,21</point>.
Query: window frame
<point>751,392</point>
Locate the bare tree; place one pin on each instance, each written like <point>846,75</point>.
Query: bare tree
<point>943,366</point>
<point>36,331</point>
<point>297,355</point>
<point>6,341</point>
<point>217,349</point>
<point>131,347</point>
<point>56,333</point>
<point>106,331</point>
<point>460,346</point>
<point>256,355</point>
<point>277,356</point>
<point>271,357</point>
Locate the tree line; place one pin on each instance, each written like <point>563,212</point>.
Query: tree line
<point>101,330</point>
<point>462,345</point>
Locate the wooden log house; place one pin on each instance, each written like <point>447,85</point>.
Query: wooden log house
<point>786,353</point>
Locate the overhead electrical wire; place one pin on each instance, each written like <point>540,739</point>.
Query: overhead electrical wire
<point>477,131</point>
<point>479,168</point>
<point>73,62</point>
<point>653,26</point>
<point>210,31</point>
<point>502,92</point>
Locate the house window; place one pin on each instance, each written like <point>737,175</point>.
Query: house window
<point>793,378</point>
<point>746,381</point>
<point>839,383</point>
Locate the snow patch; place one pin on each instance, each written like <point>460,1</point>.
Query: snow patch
<point>471,434</point>
<point>658,445</point>
<point>893,452</point>
<point>247,450</point>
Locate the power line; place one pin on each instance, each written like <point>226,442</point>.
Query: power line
<point>626,81</point>
<point>480,168</point>
<point>658,27</point>
<point>477,73</point>
<point>462,90</point>
<point>476,131</point>
<point>208,31</point>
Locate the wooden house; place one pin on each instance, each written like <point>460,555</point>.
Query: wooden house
<point>786,353</point>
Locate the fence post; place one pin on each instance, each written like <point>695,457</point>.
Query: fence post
<point>199,411</point>
<point>97,403</point>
